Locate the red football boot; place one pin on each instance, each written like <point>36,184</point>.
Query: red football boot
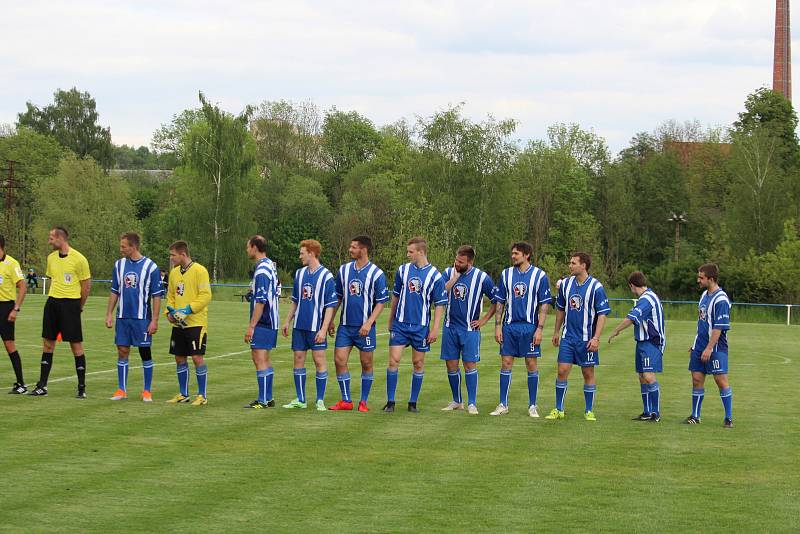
<point>342,405</point>
<point>362,406</point>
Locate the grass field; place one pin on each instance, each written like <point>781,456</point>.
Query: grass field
<point>75,466</point>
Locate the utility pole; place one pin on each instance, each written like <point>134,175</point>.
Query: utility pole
<point>677,219</point>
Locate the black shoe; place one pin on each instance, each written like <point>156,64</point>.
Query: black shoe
<point>18,389</point>
<point>692,420</point>
<point>271,403</point>
<point>38,391</point>
<point>256,405</point>
<point>642,417</point>
<point>389,407</point>
<point>728,423</point>
<point>412,407</point>
<point>654,418</point>
<point>81,393</point>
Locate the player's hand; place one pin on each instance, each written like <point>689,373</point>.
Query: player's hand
<point>285,330</point>
<point>593,345</point>
<point>248,335</point>
<point>109,321</point>
<point>320,337</point>
<point>332,329</point>
<point>537,337</point>
<point>498,334</point>
<point>556,340</point>
<point>12,316</point>
<point>152,328</point>
<point>455,275</point>
<point>364,330</point>
<point>612,336</point>
<point>433,335</point>
<point>170,314</point>
<point>389,325</point>
<point>705,356</point>
<point>477,324</point>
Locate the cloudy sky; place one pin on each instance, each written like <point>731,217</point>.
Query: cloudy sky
<point>616,66</point>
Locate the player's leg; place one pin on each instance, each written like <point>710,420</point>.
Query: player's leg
<point>51,328</point>
<point>532,363</point>
<point>589,390</point>
<point>562,382</point>
<point>7,334</point>
<point>471,380</point>
<point>725,394</point>
<point>321,377</point>
<point>341,357</point>
<point>72,332</point>
<point>367,378</point>
<point>264,374</point>
<point>146,355</point>
<point>506,367</point>
<point>299,376</point>
<point>450,352</point>
<point>395,354</point>
<point>123,352</point>
<point>645,398</point>
<point>698,394</point>
<point>418,361</point>
<point>179,347</point>
<point>201,374</point>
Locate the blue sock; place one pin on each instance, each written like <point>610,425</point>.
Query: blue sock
<point>505,384</point>
<point>366,385</point>
<point>344,385</point>
<point>147,369</point>
<point>391,384</point>
<point>202,377</point>
<point>416,386</point>
<point>645,399</point>
<point>270,375</point>
<point>561,392</point>
<point>122,374</point>
<point>261,377</point>
<point>471,378</point>
<point>454,377</point>
<point>697,401</point>
<point>727,402</point>
<point>300,383</point>
<point>322,381</point>
<point>654,398</point>
<point>533,387</point>
<point>183,378</point>
<point>588,396</point>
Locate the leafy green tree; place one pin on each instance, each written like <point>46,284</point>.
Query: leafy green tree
<point>72,120</point>
<point>770,110</point>
<point>287,134</point>
<point>95,207</point>
<point>168,139</point>
<point>347,139</point>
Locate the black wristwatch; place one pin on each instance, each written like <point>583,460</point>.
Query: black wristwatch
<point>17,309</point>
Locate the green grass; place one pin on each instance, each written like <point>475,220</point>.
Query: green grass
<point>75,466</point>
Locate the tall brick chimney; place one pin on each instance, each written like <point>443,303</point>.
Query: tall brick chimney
<point>782,68</point>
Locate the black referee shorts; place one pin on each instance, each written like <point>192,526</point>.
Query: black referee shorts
<point>62,316</point>
<point>189,341</point>
<point>6,326</point>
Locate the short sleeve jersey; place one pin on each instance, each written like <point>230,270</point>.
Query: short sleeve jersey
<point>135,282</point>
<point>313,291</point>
<point>582,304</point>
<point>10,274</point>
<point>66,274</point>
<point>417,288</point>
<point>465,298</point>
<point>713,313</point>
<point>523,293</point>
<point>647,316</point>
<point>266,291</point>
<point>360,290</point>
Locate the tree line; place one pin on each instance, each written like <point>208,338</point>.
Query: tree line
<point>673,199</point>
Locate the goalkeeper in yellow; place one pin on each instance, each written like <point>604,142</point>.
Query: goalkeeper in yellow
<point>188,296</point>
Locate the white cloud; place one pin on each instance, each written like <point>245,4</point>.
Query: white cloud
<point>616,66</point>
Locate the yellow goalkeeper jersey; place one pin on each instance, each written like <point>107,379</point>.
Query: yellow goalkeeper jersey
<point>67,273</point>
<point>191,287</point>
<point>10,274</point>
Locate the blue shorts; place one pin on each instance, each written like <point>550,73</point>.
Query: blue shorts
<point>648,357</point>
<point>717,364</point>
<point>404,334</point>
<point>304,340</point>
<point>574,351</point>
<point>518,341</point>
<point>459,342</point>
<point>132,333</point>
<point>264,338</point>
<point>347,336</point>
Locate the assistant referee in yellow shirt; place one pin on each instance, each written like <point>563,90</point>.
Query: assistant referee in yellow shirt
<point>12,295</point>
<point>70,280</point>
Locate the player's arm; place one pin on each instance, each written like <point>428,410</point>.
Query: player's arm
<point>22,289</point>
<point>560,314</point>
<point>113,298</point>
<point>152,328</point>
<point>498,322</point>
<point>433,332</point>
<point>332,326</point>
<point>594,343</point>
<point>541,320</point>
<point>712,341</point>
<point>86,286</point>
<point>170,299</point>
<point>485,319</point>
<point>289,317</point>
<point>626,322</point>
<point>203,296</point>
<point>258,311</point>
<point>326,321</point>
<point>367,326</point>
<point>393,309</point>
<point>454,276</point>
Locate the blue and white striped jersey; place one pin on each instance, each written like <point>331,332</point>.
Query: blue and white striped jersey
<point>360,290</point>
<point>465,298</point>
<point>582,303</point>
<point>135,282</point>
<point>522,293</point>
<point>313,292</point>
<point>714,313</point>
<point>648,319</point>
<point>416,289</point>
<point>267,291</point>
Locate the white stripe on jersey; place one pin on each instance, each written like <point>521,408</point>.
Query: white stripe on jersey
<point>404,278</point>
<point>298,278</point>
<point>427,287</point>
<point>474,298</point>
<point>344,276</point>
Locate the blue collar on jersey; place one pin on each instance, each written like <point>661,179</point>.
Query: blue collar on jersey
<point>355,266</point>
<point>530,266</point>
<point>588,277</point>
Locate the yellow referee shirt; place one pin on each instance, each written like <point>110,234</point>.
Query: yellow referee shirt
<point>66,274</point>
<point>10,274</point>
<point>190,288</point>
